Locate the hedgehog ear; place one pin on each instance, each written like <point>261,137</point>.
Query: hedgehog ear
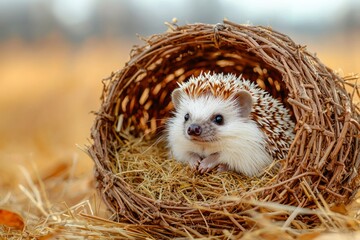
<point>176,97</point>
<point>245,102</point>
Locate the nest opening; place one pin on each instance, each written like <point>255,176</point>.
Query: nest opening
<point>170,69</point>
<point>140,184</point>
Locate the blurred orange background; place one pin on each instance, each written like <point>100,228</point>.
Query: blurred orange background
<point>50,80</point>
<point>48,90</point>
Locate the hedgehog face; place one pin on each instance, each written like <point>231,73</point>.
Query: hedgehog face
<point>207,118</point>
<point>202,130</point>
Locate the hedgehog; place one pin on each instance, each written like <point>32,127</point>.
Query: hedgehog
<point>227,123</point>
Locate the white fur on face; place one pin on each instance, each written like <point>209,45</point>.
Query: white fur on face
<point>240,143</point>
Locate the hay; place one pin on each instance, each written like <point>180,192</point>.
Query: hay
<point>146,167</point>
<point>141,186</point>
<point>48,216</point>
<point>45,217</point>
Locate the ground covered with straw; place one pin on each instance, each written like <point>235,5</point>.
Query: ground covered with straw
<point>40,209</point>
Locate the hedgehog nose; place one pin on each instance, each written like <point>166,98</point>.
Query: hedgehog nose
<point>194,130</point>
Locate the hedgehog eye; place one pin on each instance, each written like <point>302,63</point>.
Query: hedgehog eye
<point>218,119</point>
<point>186,117</point>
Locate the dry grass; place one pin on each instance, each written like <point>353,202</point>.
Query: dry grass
<point>46,215</point>
<point>146,166</point>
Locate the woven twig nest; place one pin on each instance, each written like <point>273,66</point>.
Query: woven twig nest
<point>141,185</point>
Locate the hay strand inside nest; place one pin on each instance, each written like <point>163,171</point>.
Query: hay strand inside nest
<point>147,168</point>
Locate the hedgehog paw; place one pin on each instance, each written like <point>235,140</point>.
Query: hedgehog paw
<point>194,161</point>
<point>222,167</point>
<point>208,163</point>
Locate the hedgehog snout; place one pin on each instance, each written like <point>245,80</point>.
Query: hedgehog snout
<point>194,130</point>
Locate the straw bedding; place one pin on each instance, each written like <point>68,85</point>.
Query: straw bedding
<point>141,185</point>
